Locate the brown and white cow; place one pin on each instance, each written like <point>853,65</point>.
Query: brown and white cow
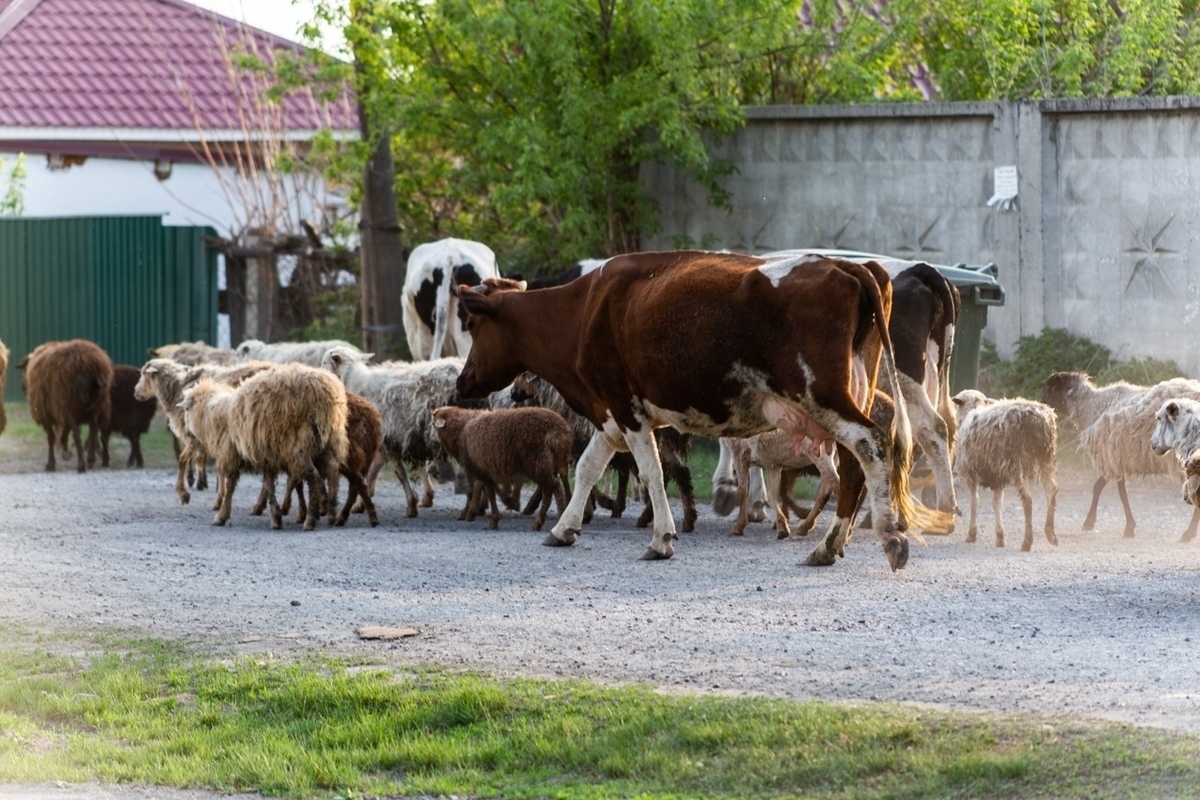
<point>716,344</point>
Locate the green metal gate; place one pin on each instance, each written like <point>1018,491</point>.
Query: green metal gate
<point>126,283</point>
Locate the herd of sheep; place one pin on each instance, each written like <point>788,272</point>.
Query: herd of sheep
<point>317,412</point>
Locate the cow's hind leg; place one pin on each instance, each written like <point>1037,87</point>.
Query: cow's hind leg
<point>850,485</point>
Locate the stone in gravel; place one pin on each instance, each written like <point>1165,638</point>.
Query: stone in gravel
<point>384,633</point>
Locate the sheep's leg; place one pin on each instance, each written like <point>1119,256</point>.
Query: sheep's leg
<point>1050,487</point>
<point>316,497</point>
<point>472,490</point>
<point>272,501</point>
<point>589,469</point>
<point>260,505</point>
<point>783,528</point>
<point>1129,523</point>
<point>402,474</point>
<point>79,449</point>
<point>548,491</point>
<point>997,509</point>
<point>1027,508</point>
<point>535,500</point>
<point>725,494</point>
<point>622,491</point>
<point>185,460</point>
<point>94,431</point>
<point>357,493</point>
<point>229,479</point>
<point>369,479</point>
<point>758,491</point>
<point>201,471</point>
<point>489,489</point>
<point>51,466</point>
<point>973,526</point>
<point>65,444</point>
<point>1190,533</point>
<point>1089,522</point>
<point>741,466</point>
<point>427,497</point>
<point>135,452</point>
<point>297,483</point>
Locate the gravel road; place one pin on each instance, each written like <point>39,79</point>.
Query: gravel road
<point>1099,627</point>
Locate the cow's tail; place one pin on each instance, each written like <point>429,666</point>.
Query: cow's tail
<point>441,315</point>
<point>944,332</point>
<point>910,512</point>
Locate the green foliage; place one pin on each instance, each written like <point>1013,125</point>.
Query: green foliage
<point>12,203</point>
<point>1057,350</point>
<point>157,716</point>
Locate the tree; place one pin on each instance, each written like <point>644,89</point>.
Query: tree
<point>523,123</point>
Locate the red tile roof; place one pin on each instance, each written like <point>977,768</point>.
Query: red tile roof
<point>138,64</point>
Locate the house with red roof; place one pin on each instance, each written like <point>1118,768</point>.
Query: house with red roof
<point>139,107</point>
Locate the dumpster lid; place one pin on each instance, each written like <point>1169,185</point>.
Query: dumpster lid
<point>960,274</point>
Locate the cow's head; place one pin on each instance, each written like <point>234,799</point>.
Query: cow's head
<point>492,362</point>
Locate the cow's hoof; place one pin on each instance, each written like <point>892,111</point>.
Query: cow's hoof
<point>896,550</point>
<point>650,554</point>
<point>817,558</point>
<point>724,499</point>
<point>568,538</point>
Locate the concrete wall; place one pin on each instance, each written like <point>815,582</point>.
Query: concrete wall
<point>1103,239</point>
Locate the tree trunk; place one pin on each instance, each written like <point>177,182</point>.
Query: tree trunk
<point>382,253</point>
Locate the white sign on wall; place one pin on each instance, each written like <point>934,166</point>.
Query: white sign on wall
<point>1004,192</point>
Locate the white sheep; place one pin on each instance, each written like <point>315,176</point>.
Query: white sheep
<point>1114,424</point>
<point>288,419</point>
<point>308,353</point>
<point>405,395</point>
<point>1177,427</point>
<point>1007,443</point>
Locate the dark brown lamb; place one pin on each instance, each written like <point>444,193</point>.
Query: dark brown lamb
<point>508,446</point>
<point>129,416</point>
<point>68,385</point>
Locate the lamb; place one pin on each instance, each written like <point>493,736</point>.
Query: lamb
<point>673,449</point>
<point>404,394</point>
<point>1114,424</point>
<point>129,416</point>
<point>1177,427</point>
<point>165,379</point>
<point>3,380</point>
<point>506,446</point>
<point>1003,443</point>
<point>68,385</point>
<point>194,353</point>
<point>288,419</point>
<point>308,353</point>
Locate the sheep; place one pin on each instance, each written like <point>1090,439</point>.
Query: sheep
<point>364,435</point>
<point>3,381</point>
<point>776,452</point>
<point>1002,443</point>
<point>673,449</point>
<point>1114,424</point>
<point>288,419</point>
<point>165,379</point>
<point>308,353</point>
<point>1177,427</point>
<point>194,353</point>
<point>129,416</point>
<point>506,446</point>
<point>405,394</point>
<point>68,385</point>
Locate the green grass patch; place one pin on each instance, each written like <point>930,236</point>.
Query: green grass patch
<point>154,714</point>
<point>23,444</point>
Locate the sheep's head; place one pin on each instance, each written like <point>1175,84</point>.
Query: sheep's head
<point>525,388</point>
<point>1063,387</point>
<point>1176,424</point>
<point>249,350</point>
<point>969,400</point>
<point>448,422</point>
<point>336,359</point>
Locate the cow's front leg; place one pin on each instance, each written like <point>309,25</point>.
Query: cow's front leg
<point>591,466</point>
<point>645,453</point>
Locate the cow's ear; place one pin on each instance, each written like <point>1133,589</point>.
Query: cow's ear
<point>475,302</point>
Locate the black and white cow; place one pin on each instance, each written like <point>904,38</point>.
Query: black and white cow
<point>430,307</point>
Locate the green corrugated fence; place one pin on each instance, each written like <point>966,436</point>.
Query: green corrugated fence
<point>126,283</point>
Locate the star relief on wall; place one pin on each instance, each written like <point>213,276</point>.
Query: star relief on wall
<point>1148,251</point>
<point>916,237</point>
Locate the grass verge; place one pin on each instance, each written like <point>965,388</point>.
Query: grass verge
<point>152,713</point>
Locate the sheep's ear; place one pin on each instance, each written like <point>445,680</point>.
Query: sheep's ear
<point>1172,411</point>
<point>367,357</point>
<point>335,359</point>
<point>150,369</point>
<point>958,401</point>
<point>523,284</point>
<point>186,402</point>
<point>439,422</point>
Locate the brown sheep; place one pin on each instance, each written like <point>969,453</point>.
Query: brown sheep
<point>68,385</point>
<point>364,434</point>
<point>195,353</point>
<point>288,419</point>
<point>129,416</point>
<point>3,380</point>
<point>498,448</point>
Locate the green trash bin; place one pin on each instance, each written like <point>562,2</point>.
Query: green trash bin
<point>977,286</point>
<point>979,289</point>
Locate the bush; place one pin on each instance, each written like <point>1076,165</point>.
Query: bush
<point>1058,350</point>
